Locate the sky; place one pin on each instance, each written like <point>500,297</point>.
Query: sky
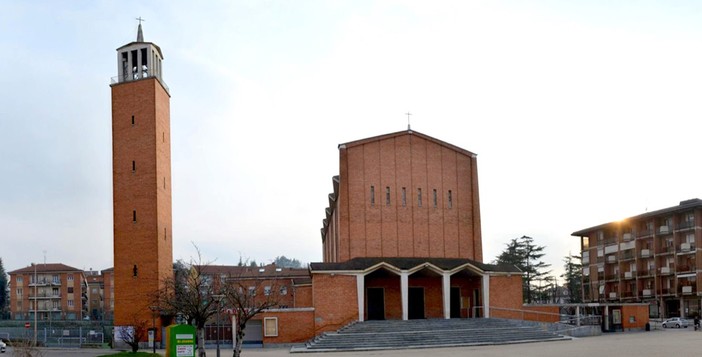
<point>581,113</point>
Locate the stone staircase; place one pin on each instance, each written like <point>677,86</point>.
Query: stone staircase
<point>398,334</point>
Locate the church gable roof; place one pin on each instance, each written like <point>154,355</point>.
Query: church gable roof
<point>403,133</point>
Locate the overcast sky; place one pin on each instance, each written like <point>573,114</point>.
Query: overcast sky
<point>581,113</point>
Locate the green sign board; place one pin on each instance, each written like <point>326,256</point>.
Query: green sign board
<point>181,341</point>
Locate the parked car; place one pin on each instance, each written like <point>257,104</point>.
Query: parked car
<point>3,346</point>
<point>675,322</point>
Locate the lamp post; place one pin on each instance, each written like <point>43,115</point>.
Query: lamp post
<point>154,310</point>
<point>35,303</point>
<point>219,301</point>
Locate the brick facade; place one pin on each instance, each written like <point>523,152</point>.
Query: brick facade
<point>403,195</point>
<point>52,291</point>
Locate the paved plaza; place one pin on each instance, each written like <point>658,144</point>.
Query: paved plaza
<point>682,342</point>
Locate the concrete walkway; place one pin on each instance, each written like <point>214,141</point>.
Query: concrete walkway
<point>671,342</point>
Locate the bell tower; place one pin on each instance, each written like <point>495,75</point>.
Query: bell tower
<point>141,178</point>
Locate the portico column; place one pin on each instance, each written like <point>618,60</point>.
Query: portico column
<point>360,287</point>
<point>404,292</point>
<point>486,295</point>
<point>446,280</point>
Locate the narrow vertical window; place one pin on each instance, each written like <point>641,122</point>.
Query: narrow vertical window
<point>404,197</point>
<point>372,194</point>
<point>387,196</point>
<point>132,120</point>
<point>419,197</point>
<point>133,165</point>
<point>435,199</point>
<point>134,216</point>
<point>135,271</point>
<point>163,134</point>
<point>164,183</point>
<point>165,235</point>
<point>450,199</point>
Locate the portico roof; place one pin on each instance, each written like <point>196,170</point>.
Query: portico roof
<point>361,264</point>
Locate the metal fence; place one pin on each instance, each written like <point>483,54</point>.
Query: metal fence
<point>58,335</point>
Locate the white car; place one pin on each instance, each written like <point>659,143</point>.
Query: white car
<point>3,346</point>
<point>675,322</point>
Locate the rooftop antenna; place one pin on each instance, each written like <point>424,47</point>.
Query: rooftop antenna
<point>408,120</point>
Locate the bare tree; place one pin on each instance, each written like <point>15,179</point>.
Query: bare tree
<point>248,295</point>
<point>131,335</point>
<point>190,294</point>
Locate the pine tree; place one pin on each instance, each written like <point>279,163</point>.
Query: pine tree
<point>525,255</point>
<point>573,277</point>
<point>4,291</point>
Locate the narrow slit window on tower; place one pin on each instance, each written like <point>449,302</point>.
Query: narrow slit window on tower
<point>387,196</point>
<point>372,195</point>
<point>134,216</point>
<point>135,271</point>
<point>436,200</point>
<point>132,120</point>
<point>404,197</point>
<point>165,234</point>
<point>450,199</point>
<point>163,136</point>
<point>164,183</point>
<point>419,197</point>
<point>133,165</point>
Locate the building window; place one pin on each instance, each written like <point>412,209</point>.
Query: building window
<point>55,279</point>
<point>133,165</point>
<point>252,291</point>
<point>283,290</point>
<point>135,271</point>
<point>450,199</point>
<point>19,292</point>
<point>404,197</point>
<point>270,326</point>
<point>435,199</point>
<point>387,196</point>
<point>70,303</point>
<point>69,277</point>
<point>134,216</point>
<point>419,197</point>
<point>19,280</point>
<point>70,290</point>
<point>267,290</point>
<point>132,120</point>
<point>372,194</point>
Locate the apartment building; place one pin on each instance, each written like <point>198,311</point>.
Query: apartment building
<point>651,258</point>
<point>51,291</point>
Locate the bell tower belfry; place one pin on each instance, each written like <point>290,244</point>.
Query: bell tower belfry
<point>141,176</point>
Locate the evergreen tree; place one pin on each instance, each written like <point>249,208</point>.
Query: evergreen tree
<point>525,255</point>
<point>284,262</point>
<point>573,277</point>
<point>4,291</point>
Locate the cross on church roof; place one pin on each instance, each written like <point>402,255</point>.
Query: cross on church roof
<point>408,120</point>
<point>140,20</point>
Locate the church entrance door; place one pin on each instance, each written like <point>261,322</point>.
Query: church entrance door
<point>376,304</point>
<point>416,303</point>
<point>455,302</point>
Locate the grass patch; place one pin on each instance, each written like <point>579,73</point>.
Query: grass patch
<point>130,354</point>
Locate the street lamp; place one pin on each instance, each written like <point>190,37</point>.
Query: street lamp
<point>154,310</point>
<point>219,300</point>
<point>35,303</point>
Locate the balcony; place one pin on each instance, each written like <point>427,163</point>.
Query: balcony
<point>645,253</point>
<point>685,225</point>
<point>627,237</point>
<point>612,296</point>
<point>628,255</point>
<point>663,230</point>
<point>646,292</point>
<point>686,268</point>
<point>644,233</point>
<point>686,248</point>
<point>644,272</point>
<point>666,250</point>
<point>612,277</point>
<point>44,296</point>
<point>666,291</point>
<point>665,270</point>
<point>611,259</point>
<point>629,274</point>
<point>688,289</point>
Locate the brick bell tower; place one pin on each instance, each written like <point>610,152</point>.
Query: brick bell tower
<point>141,174</point>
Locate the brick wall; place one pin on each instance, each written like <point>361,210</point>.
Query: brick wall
<point>335,301</point>
<point>293,326</point>
<point>303,296</point>
<point>370,227</point>
<point>505,292</point>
